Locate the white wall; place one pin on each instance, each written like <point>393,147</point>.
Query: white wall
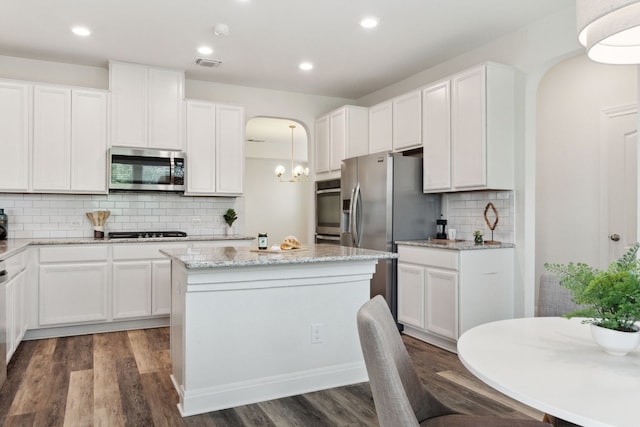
<point>277,208</point>
<point>570,99</point>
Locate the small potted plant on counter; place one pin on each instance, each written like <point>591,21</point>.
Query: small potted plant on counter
<point>230,217</point>
<point>477,237</point>
<point>611,297</point>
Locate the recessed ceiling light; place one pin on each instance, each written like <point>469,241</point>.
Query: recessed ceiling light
<point>306,66</point>
<point>205,50</point>
<point>369,22</point>
<point>81,31</point>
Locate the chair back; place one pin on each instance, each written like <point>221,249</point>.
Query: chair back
<point>398,393</point>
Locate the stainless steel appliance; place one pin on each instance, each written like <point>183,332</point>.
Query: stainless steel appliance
<point>328,211</point>
<point>145,234</point>
<point>382,201</point>
<point>4,276</point>
<point>150,170</point>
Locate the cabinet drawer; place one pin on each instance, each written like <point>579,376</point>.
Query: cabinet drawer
<point>74,253</point>
<point>443,258</point>
<point>143,251</point>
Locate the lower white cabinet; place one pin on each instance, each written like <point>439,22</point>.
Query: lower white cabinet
<point>16,320</point>
<point>73,293</point>
<point>131,289</point>
<point>442,293</point>
<point>161,287</point>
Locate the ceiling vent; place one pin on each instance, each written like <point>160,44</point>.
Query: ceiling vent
<point>211,63</point>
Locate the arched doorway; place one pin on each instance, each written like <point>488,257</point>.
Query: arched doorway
<point>271,206</point>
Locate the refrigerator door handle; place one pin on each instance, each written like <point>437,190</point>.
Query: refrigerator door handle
<point>355,214</point>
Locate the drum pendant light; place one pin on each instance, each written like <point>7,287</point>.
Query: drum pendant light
<point>610,30</point>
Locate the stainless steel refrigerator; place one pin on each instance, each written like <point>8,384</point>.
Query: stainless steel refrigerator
<point>382,201</point>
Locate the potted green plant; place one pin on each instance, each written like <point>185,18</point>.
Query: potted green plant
<point>611,298</point>
<point>230,217</point>
<point>477,236</point>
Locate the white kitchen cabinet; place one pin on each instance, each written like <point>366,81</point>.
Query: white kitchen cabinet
<point>16,312</point>
<point>88,141</point>
<point>323,145</point>
<point>407,121</point>
<point>146,106</point>
<point>341,134</point>
<point>161,287</point>
<point>69,140</point>
<point>482,128</point>
<point>51,138</point>
<point>131,289</point>
<point>14,135</point>
<point>442,293</point>
<point>381,127</point>
<point>73,285</point>
<point>436,136</point>
<point>229,149</point>
<point>215,148</point>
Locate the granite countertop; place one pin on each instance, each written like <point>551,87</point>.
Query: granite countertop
<point>457,245</point>
<point>14,246</point>
<point>210,257</point>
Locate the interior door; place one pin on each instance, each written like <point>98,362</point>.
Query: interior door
<point>620,182</point>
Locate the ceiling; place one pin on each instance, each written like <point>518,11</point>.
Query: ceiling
<point>267,38</point>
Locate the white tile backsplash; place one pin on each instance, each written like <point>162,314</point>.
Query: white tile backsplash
<point>465,213</point>
<point>63,216</point>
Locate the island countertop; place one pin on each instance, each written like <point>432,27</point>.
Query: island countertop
<point>457,245</point>
<point>211,257</point>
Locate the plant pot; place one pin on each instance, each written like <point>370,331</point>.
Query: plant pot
<point>231,230</point>
<point>615,343</point>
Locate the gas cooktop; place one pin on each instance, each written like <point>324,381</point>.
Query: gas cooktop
<point>145,234</point>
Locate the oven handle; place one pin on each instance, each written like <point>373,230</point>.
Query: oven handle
<point>328,191</point>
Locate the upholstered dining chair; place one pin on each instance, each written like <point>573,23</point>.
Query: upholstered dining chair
<point>400,398</point>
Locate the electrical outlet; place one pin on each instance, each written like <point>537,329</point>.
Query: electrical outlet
<point>316,333</point>
<point>76,223</point>
<point>196,222</point>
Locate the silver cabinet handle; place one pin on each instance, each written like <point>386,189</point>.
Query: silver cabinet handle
<point>615,237</point>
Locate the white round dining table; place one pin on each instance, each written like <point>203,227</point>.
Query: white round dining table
<point>552,364</point>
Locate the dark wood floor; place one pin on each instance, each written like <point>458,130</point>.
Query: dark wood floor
<point>122,379</point>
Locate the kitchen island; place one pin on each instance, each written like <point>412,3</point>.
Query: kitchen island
<point>250,326</point>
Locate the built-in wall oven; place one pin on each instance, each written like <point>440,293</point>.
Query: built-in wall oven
<point>328,211</point>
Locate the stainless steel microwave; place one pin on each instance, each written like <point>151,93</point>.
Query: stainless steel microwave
<point>148,170</point>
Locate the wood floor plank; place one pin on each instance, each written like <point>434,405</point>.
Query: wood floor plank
<point>294,411</point>
<point>15,376</point>
<point>159,393</point>
<point>145,357</point>
<point>253,415</point>
<point>22,420</point>
<point>106,396</point>
<point>32,394</point>
<point>335,409</point>
<point>359,400</point>
<point>79,409</point>
<point>134,404</point>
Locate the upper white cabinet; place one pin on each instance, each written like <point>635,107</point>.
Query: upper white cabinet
<point>14,135</point>
<point>436,136</point>
<point>407,121</point>
<point>381,127</point>
<point>341,134</point>
<point>146,106</point>
<point>481,131</point>
<point>69,140</point>
<point>215,148</point>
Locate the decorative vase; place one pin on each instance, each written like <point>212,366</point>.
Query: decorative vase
<point>230,230</point>
<point>478,239</point>
<point>615,343</point>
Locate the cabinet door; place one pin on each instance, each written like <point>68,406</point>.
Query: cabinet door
<point>338,138</point>
<point>16,319</point>
<point>161,291</point>
<point>468,121</point>
<point>166,93</point>
<point>436,137</point>
<point>14,136</point>
<point>51,138</point>
<point>73,293</point>
<point>380,127</point>
<point>407,121</point>
<point>201,147</point>
<point>229,164</point>
<point>441,301</point>
<point>323,145</point>
<point>357,131</point>
<point>131,289</point>
<point>88,141</point>
<point>411,295</point>
<point>128,86</point>
<point>10,322</point>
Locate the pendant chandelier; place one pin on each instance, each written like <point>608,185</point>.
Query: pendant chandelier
<point>610,30</point>
<point>298,173</point>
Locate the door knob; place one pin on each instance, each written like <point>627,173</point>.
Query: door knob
<point>615,237</point>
